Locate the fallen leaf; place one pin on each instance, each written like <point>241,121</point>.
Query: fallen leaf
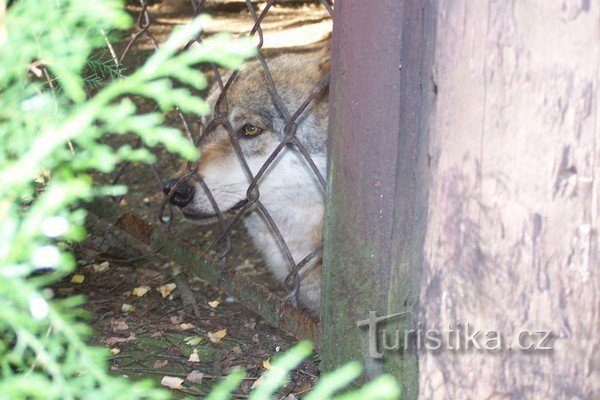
<point>255,338</point>
<point>258,382</point>
<point>114,351</point>
<point>217,336</point>
<point>245,387</point>
<point>172,382</point>
<point>111,341</point>
<point>102,267</point>
<point>266,364</point>
<point>186,326</point>
<point>250,325</point>
<point>165,290</point>
<point>118,325</point>
<point>127,307</point>
<point>194,356</point>
<point>237,349</point>
<point>214,303</point>
<point>302,387</point>
<point>193,340</point>
<point>77,278</point>
<point>160,363</point>
<point>195,376</point>
<point>176,319</point>
<point>140,291</point>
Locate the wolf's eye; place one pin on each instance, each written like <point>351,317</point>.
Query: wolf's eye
<point>251,130</point>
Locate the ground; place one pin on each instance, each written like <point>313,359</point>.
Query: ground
<point>138,316</point>
<point>135,311</point>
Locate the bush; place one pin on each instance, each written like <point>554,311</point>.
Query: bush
<point>50,144</point>
<point>50,137</point>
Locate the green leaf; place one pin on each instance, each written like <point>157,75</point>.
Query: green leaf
<point>334,381</point>
<point>278,374</point>
<point>384,387</point>
<point>223,390</point>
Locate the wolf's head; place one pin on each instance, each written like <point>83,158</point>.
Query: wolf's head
<point>257,123</point>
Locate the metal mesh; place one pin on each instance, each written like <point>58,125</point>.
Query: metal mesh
<point>221,245</point>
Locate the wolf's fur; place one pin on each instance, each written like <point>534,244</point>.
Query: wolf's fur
<point>289,189</point>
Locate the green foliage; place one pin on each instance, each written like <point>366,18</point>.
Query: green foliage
<point>382,388</point>
<point>50,144</point>
<point>100,68</point>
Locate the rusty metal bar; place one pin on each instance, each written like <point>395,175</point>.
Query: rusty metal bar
<point>142,235</point>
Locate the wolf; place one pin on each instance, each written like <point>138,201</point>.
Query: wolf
<point>289,188</point>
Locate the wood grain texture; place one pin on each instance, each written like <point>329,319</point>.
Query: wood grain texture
<point>512,238</point>
<point>381,97</point>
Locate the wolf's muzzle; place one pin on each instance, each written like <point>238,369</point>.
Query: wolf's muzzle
<point>183,194</point>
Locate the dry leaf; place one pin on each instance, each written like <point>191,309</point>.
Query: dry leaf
<point>114,351</point>
<point>127,307</point>
<point>160,363</point>
<point>140,291</point>
<point>214,303</point>
<point>245,387</point>
<point>195,376</point>
<point>217,336</point>
<point>194,356</point>
<point>257,382</point>
<point>186,326</point>
<point>302,387</point>
<point>172,382</point>
<point>237,349</point>
<point>111,341</point>
<point>77,279</point>
<point>266,364</point>
<point>176,319</point>
<point>165,290</point>
<point>118,325</point>
<point>102,267</point>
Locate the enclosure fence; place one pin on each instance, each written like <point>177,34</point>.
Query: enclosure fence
<point>211,264</point>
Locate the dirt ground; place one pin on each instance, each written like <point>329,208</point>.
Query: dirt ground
<point>135,310</point>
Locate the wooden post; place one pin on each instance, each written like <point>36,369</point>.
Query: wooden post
<point>464,188</point>
<point>381,96</point>
<point>512,241</point>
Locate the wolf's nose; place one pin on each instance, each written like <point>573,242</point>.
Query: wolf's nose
<point>182,196</point>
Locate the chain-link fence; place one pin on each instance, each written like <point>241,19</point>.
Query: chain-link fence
<point>263,156</point>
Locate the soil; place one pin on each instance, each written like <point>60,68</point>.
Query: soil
<point>152,336</point>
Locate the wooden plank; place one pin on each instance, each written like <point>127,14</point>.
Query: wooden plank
<point>512,242</point>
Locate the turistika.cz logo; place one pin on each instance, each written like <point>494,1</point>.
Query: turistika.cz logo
<point>456,337</point>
